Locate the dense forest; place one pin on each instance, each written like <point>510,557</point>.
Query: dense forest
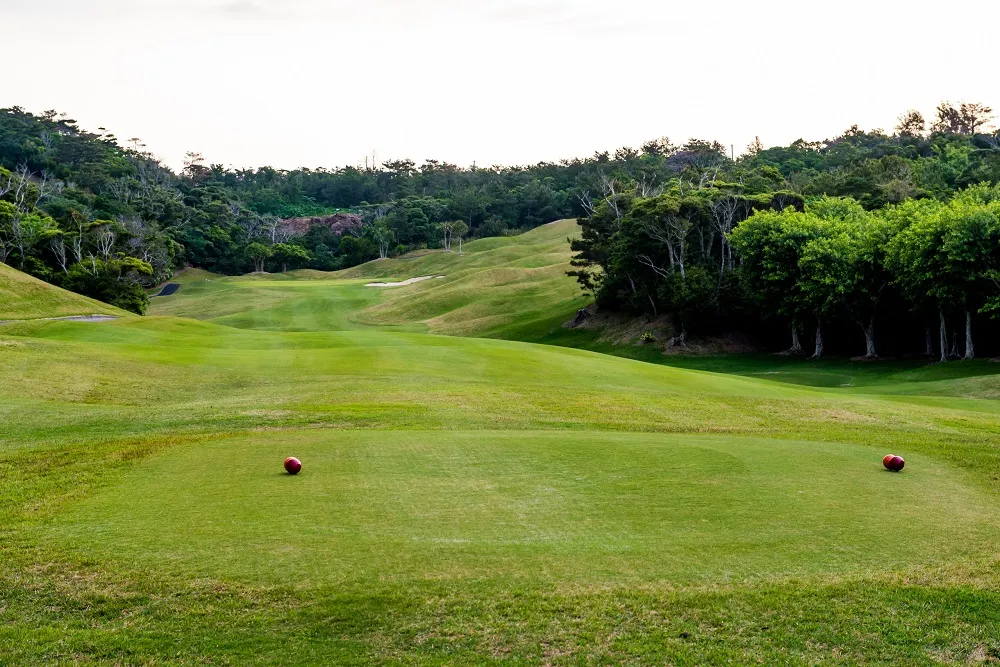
<point>890,241</point>
<point>868,232</point>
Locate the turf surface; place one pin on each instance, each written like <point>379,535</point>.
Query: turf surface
<point>23,297</point>
<point>509,287</point>
<point>471,500</point>
<point>579,507</point>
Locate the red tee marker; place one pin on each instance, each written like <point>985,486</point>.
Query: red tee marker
<point>893,463</point>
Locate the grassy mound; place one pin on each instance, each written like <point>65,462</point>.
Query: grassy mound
<point>23,297</point>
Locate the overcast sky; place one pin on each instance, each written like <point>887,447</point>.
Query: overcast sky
<point>292,83</point>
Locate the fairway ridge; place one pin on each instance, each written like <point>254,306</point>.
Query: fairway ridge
<point>475,500</point>
<point>23,297</point>
<point>506,287</point>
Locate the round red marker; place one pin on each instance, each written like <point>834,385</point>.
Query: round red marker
<point>893,463</point>
<point>293,465</point>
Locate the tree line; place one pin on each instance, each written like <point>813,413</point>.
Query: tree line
<point>102,216</point>
<point>865,232</point>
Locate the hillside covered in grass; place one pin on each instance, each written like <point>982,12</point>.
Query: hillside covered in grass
<point>23,297</point>
<point>512,287</point>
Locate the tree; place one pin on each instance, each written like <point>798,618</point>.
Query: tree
<point>468,205</point>
<point>726,212</point>
<point>8,242</point>
<point>770,245</point>
<point>287,253</point>
<point>972,246</point>
<point>104,234</point>
<point>29,230</point>
<point>258,253</point>
<point>920,265</point>
<point>383,236</point>
<point>755,147</point>
<point>444,229</point>
<point>22,224</point>
<point>968,118</point>
<point>844,270</point>
<point>975,116</point>
<point>911,124</point>
<point>116,281</point>
<point>660,219</point>
<point>458,231</point>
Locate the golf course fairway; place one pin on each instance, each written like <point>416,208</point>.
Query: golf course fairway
<point>468,496</point>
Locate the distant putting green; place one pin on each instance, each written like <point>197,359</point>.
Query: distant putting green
<point>583,507</point>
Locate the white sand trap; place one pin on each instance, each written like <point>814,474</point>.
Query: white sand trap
<point>403,283</point>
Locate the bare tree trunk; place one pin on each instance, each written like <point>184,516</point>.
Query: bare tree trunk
<point>59,250</point>
<point>970,353</point>
<point>818,352</point>
<point>796,347</point>
<point>928,342</point>
<point>870,339</point>
<point>943,333</point>
<point>679,340</point>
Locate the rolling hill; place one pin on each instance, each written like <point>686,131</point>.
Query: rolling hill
<point>23,297</point>
<point>504,287</point>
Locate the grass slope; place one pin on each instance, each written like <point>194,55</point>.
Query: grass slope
<point>23,297</point>
<point>508,287</point>
<point>471,500</point>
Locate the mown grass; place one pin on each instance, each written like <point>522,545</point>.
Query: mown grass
<point>507,287</point>
<point>470,500</point>
<point>23,298</point>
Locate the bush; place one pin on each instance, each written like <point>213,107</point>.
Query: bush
<point>115,282</point>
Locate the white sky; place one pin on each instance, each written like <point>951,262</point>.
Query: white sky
<point>292,83</point>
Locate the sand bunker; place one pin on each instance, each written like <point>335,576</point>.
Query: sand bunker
<point>403,283</point>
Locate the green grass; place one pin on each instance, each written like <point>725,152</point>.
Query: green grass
<point>509,287</point>
<point>578,507</point>
<point>23,298</point>
<point>477,500</point>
